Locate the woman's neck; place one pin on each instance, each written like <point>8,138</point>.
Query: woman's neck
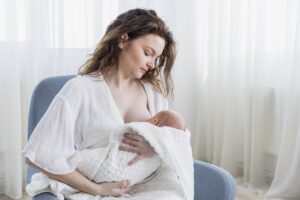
<point>117,79</point>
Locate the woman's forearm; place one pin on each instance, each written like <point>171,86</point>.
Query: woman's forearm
<point>74,179</point>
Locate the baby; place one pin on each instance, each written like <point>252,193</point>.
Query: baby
<point>168,118</point>
<point>115,166</point>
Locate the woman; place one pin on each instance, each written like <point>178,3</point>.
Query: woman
<point>126,79</point>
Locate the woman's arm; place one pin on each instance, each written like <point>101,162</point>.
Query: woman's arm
<point>81,183</point>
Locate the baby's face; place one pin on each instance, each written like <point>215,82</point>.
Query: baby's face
<point>153,120</point>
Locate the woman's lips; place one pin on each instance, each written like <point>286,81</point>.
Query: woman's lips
<point>144,70</point>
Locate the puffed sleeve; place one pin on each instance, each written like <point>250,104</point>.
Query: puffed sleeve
<point>51,145</point>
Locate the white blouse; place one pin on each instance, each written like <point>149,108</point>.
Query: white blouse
<point>82,115</point>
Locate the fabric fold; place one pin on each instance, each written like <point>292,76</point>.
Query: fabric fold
<point>174,177</point>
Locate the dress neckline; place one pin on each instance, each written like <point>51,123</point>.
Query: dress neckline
<point>114,104</point>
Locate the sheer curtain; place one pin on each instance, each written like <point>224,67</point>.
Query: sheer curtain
<point>247,91</point>
<point>286,182</point>
<point>236,78</point>
<point>38,39</point>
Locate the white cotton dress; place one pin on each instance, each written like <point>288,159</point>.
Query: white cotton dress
<point>81,116</point>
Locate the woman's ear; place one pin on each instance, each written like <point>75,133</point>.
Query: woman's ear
<point>123,40</point>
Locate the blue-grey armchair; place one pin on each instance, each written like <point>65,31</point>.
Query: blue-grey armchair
<point>211,182</point>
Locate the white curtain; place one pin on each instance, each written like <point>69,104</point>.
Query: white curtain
<point>286,182</point>
<point>244,86</point>
<point>236,78</point>
<point>38,39</point>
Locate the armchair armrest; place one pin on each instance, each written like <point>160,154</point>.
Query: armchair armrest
<point>44,196</point>
<point>212,182</point>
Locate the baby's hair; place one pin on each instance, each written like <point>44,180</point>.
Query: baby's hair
<point>171,118</point>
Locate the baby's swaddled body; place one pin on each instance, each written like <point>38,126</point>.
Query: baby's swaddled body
<point>115,167</point>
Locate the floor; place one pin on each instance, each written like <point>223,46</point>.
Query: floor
<point>243,193</point>
<point>3,197</point>
<point>240,195</point>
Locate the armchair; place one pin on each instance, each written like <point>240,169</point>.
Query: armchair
<point>211,182</point>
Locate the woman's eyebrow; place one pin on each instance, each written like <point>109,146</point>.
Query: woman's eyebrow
<point>153,50</point>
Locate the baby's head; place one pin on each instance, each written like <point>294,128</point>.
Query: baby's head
<point>168,118</point>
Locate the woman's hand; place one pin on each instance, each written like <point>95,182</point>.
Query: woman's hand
<point>136,144</point>
<point>115,189</point>
<point>81,183</point>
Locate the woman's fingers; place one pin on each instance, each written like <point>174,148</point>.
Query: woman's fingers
<point>133,136</point>
<point>135,159</point>
<point>116,189</point>
<point>125,184</point>
<point>129,149</point>
<point>130,142</point>
<point>136,144</point>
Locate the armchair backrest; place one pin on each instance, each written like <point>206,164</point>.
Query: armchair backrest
<point>41,98</point>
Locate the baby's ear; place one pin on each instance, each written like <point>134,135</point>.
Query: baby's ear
<point>156,121</point>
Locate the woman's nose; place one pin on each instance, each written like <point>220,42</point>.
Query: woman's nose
<point>150,64</point>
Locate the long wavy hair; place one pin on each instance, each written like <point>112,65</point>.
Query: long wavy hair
<point>136,23</point>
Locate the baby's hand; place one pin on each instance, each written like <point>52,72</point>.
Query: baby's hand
<point>136,144</point>
<point>115,189</point>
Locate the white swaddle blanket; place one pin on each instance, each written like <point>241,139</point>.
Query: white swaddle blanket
<point>114,167</point>
<point>174,160</point>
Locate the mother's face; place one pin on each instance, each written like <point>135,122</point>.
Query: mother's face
<point>138,56</point>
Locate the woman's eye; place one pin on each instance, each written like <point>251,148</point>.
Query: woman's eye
<point>146,53</point>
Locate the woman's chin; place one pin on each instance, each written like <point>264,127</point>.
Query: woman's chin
<point>139,75</point>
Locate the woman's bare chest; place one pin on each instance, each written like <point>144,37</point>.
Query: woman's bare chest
<point>133,106</point>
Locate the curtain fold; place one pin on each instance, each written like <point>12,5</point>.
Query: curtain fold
<point>10,142</point>
<point>33,46</point>
<point>286,181</point>
<point>247,92</point>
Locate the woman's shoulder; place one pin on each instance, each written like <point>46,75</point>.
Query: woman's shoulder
<point>81,84</point>
<point>81,80</point>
